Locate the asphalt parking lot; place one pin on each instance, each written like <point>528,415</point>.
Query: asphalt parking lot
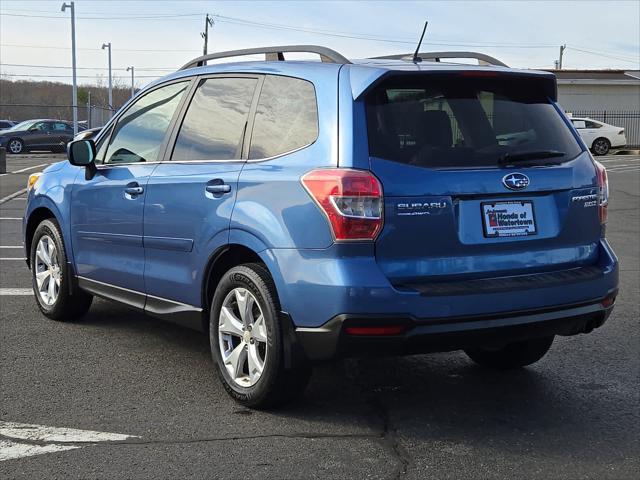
<point>575,414</point>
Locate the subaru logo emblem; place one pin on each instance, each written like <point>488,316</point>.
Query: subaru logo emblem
<point>516,181</point>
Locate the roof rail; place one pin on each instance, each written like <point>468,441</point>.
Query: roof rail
<point>436,56</point>
<point>271,54</point>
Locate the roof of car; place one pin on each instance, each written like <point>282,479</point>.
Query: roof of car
<point>363,72</point>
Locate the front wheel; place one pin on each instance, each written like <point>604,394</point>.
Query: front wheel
<point>512,355</point>
<point>50,276</point>
<point>248,340</point>
<point>601,146</point>
<point>15,146</point>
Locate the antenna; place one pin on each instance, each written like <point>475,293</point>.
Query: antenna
<point>416,58</point>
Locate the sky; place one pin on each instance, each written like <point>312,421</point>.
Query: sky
<point>157,37</point>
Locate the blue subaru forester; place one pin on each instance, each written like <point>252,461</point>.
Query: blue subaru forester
<point>299,211</point>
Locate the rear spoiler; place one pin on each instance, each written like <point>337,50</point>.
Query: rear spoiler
<point>364,79</point>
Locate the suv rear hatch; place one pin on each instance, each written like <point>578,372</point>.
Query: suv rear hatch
<point>482,178</point>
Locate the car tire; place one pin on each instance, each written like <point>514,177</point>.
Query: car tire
<point>15,146</point>
<point>600,146</point>
<point>50,276</point>
<point>249,353</point>
<point>512,355</point>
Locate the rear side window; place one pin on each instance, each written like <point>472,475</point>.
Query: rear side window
<point>215,123</point>
<point>445,121</point>
<point>286,117</point>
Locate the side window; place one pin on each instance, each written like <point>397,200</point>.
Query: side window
<point>101,146</point>
<point>579,124</point>
<point>592,124</point>
<point>139,133</point>
<point>214,125</point>
<point>59,126</point>
<point>41,127</point>
<point>286,117</point>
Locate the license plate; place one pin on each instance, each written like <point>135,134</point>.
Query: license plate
<point>508,219</point>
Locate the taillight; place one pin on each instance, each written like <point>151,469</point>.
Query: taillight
<point>351,199</point>
<point>603,192</point>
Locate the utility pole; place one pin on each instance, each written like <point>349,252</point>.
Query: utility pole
<point>133,88</point>
<point>562,47</point>
<point>73,64</point>
<point>89,109</point>
<point>108,46</point>
<point>208,22</point>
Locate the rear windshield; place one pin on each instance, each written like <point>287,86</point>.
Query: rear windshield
<point>458,121</point>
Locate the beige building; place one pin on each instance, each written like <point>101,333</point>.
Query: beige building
<point>610,90</point>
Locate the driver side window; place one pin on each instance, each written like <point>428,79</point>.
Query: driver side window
<point>139,133</point>
<point>41,127</point>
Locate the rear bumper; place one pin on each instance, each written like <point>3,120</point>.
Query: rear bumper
<point>440,335</point>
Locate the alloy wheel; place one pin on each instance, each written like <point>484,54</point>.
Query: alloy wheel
<point>15,146</point>
<point>601,147</point>
<point>47,270</point>
<point>242,337</point>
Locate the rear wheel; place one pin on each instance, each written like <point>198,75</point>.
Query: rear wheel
<point>601,146</point>
<point>50,276</point>
<point>248,341</point>
<point>512,355</point>
<point>15,146</point>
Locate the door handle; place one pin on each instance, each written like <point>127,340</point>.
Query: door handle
<point>134,190</point>
<point>218,189</point>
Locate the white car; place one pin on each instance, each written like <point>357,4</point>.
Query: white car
<point>599,137</point>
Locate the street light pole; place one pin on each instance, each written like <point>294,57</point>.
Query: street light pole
<point>132,81</point>
<point>108,46</point>
<point>73,64</point>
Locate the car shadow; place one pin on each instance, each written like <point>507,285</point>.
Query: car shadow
<point>422,399</point>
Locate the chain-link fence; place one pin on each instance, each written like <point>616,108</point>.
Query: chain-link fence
<point>629,120</point>
<point>91,115</point>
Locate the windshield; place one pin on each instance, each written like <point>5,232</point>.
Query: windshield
<point>22,125</point>
<point>458,121</point>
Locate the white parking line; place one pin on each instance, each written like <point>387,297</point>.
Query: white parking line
<point>12,196</point>
<point>16,292</point>
<point>10,246</point>
<point>13,258</point>
<point>10,218</point>
<point>31,168</point>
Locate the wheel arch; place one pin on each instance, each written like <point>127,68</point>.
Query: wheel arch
<point>37,216</point>
<point>221,261</point>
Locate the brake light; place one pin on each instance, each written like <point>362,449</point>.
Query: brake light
<point>351,199</point>
<point>603,192</point>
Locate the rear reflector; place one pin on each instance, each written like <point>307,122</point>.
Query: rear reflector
<point>376,331</point>
<point>608,301</point>
<point>603,192</point>
<point>351,200</point>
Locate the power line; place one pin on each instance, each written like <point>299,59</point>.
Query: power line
<point>129,17</point>
<point>69,76</point>
<point>151,69</point>
<point>599,54</point>
<point>331,33</point>
<point>147,50</point>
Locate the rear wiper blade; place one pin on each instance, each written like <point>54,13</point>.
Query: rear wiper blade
<point>509,158</point>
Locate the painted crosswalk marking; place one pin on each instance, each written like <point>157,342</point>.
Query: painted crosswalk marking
<point>18,440</point>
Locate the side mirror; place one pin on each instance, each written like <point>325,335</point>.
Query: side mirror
<point>82,153</point>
